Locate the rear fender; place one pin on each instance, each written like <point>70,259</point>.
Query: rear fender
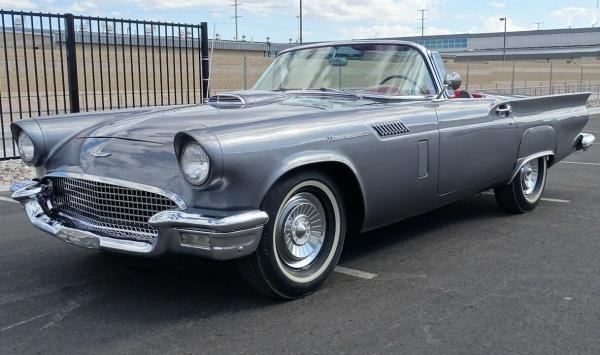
<point>537,142</point>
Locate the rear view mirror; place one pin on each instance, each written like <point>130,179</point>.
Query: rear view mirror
<point>453,80</point>
<point>338,61</point>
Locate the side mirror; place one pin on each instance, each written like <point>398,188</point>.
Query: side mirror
<point>453,80</point>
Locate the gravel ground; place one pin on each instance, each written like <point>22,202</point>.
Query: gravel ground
<point>14,170</point>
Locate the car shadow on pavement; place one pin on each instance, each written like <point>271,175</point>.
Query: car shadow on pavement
<point>477,208</point>
<point>187,282</point>
<point>178,287</point>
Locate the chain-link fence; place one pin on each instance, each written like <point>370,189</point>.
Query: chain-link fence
<point>530,78</point>
<point>230,73</point>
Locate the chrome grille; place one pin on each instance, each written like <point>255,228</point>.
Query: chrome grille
<point>390,128</point>
<point>109,210</point>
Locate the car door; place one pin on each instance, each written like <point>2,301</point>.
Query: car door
<point>478,143</point>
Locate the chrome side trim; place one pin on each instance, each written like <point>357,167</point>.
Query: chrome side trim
<point>524,160</point>
<point>123,183</point>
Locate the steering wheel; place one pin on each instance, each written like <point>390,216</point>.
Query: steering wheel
<point>400,76</point>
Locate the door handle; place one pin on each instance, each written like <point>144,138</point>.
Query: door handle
<point>504,109</point>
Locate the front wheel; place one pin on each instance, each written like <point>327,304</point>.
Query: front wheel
<point>525,191</point>
<point>302,241</point>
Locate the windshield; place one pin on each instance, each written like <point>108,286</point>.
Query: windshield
<point>382,69</point>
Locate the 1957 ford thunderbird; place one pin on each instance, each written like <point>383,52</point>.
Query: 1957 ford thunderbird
<point>334,137</point>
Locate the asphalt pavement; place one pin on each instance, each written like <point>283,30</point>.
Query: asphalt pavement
<point>466,278</point>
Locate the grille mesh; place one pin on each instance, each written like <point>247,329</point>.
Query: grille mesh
<point>390,128</point>
<point>109,210</point>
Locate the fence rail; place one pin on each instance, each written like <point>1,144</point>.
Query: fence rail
<point>61,63</point>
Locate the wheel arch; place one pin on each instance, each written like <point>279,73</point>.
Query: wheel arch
<point>536,142</point>
<point>343,172</point>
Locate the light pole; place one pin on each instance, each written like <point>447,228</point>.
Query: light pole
<point>300,36</point>
<point>503,19</point>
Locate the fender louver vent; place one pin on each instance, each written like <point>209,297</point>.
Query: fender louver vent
<point>226,101</point>
<point>390,128</point>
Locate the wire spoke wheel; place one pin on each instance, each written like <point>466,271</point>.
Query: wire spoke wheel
<point>529,177</point>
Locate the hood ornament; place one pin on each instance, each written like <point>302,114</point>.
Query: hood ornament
<point>99,154</point>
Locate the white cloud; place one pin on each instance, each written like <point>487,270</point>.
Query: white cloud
<point>569,13</point>
<point>493,24</point>
<point>18,4</point>
<point>498,5</point>
<point>82,7</point>
<point>380,11</point>
<point>385,30</point>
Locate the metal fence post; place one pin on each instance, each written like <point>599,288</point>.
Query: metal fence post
<point>550,88</point>
<point>205,60</point>
<point>512,82</point>
<point>71,63</point>
<point>467,81</point>
<point>245,73</point>
<point>581,80</point>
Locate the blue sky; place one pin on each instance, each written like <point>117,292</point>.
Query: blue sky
<point>336,19</point>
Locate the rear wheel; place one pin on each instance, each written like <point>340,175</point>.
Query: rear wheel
<point>302,241</point>
<point>526,189</point>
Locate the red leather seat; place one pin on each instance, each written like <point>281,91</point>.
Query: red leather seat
<point>461,94</point>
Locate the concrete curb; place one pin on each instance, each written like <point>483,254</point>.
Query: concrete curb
<point>4,188</point>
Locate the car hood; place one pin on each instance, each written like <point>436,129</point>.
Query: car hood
<point>160,124</point>
<point>134,144</point>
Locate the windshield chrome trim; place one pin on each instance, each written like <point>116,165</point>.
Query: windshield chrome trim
<point>439,85</point>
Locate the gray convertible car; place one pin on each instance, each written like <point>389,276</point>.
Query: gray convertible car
<point>334,138</point>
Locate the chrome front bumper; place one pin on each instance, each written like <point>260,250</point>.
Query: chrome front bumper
<point>222,238</point>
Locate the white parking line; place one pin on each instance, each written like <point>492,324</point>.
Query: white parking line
<point>23,322</point>
<point>580,163</point>
<point>356,273</point>
<point>555,200</point>
<point>6,199</point>
<point>543,198</point>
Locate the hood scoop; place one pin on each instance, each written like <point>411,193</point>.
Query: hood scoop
<point>227,101</point>
<point>241,99</point>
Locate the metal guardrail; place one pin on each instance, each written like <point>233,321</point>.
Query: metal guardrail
<point>61,63</point>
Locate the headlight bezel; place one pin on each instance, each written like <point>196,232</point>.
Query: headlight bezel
<point>24,156</point>
<point>201,156</point>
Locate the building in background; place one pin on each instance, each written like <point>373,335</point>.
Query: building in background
<point>577,44</point>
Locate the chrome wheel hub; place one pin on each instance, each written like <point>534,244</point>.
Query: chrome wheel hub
<point>301,230</point>
<point>529,177</point>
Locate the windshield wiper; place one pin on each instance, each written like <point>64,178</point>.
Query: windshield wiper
<point>285,89</point>
<point>323,89</point>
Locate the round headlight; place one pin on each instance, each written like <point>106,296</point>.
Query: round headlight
<point>194,163</point>
<point>26,148</point>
